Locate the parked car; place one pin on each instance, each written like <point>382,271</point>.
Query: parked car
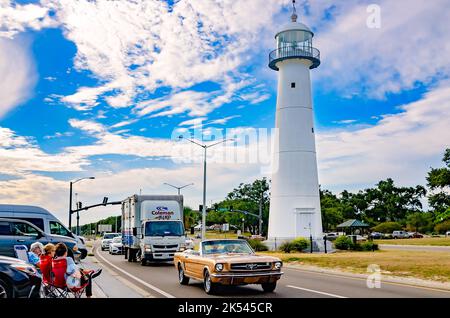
<point>227,262</point>
<point>44,220</point>
<point>257,238</point>
<point>358,238</point>
<point>19,232</point>
<point>332,236</point>
<point>107,239</point>
<point>400,235</point>
<point>415,235</point>
<point>116,246</point>
<point>18,279</point>
<point>377,235</point>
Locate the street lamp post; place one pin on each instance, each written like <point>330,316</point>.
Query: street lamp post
<point>205,148</point>
<point>178,188</point>
<point>70,198</point>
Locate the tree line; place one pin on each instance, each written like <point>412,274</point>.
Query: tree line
<point>385,207</point>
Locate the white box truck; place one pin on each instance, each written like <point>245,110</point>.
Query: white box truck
<point>152,227</point>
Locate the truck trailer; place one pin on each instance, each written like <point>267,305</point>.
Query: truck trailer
<point>152,227</point>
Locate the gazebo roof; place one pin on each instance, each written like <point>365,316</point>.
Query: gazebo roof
<point>353,223</point>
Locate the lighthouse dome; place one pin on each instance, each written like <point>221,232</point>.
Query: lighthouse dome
<point>295,26</point>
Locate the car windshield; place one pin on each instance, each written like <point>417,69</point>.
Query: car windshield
<point>166,228</point>
<point>109,236</point>
<point>117,239</point>
<point>226,247</point>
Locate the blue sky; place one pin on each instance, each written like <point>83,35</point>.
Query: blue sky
<point>99,88</point>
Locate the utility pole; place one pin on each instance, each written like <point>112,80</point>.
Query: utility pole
<point>70,198</point>
<point>260,213</point>
<point>205,148</point>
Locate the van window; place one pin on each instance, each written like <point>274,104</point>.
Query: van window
<point>5,228</point>
<point>36,221</point>
<point>24,229</point>
<point>57,229</point>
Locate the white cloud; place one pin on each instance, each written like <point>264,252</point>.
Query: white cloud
<point>411,47</point>
<point>402,146</point>
<point>15,18</point>
<point>17,78</point>
<point>124,123</point>
<point>89,126</point>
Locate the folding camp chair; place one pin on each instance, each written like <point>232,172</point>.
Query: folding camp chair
<point>47,288</point>
<point>58,281</point>
<point>21,252</point>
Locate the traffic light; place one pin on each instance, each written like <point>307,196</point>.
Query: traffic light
<point>200,207</point>
<point>105,201</point>
<point>79,205</point>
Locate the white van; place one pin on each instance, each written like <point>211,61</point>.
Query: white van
<point>43,219</point>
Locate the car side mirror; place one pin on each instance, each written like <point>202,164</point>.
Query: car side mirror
<point>40,235</point>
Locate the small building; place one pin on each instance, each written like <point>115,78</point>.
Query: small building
<point>352,226</point>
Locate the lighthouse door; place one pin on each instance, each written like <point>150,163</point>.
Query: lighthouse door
<point>304,221</point>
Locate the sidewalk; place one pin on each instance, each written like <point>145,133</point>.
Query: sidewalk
<point>109,284</point>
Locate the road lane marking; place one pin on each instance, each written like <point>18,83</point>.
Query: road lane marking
<point>316,291</point>
<point>156,289</point>
<point>343,276</point>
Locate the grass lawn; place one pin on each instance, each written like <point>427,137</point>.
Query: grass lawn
<point>425,265</point>
<point>432,241</point>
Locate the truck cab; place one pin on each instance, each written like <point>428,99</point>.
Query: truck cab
<point>162,239</point>
<point>153,227</point>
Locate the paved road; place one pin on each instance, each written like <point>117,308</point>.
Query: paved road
<point>160,280</point>
<point>424,248</point>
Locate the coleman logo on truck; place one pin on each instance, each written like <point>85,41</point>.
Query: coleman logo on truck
<point>163,213</point>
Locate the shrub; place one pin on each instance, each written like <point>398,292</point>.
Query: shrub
<point>387,227</point>
<point>300,244</point>
<point>343,243</point>
<point>287,247</point>
<point>258,246</point>
<point>442,227</point>
<point>369,246</point>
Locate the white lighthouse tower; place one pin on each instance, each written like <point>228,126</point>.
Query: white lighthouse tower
<point>295,201</point>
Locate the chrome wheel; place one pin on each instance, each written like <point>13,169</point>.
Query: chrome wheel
<point>3,293</point>
<point>182,279</point>
<point>207,283</point>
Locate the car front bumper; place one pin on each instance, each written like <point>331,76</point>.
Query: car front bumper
<point>245,278</point>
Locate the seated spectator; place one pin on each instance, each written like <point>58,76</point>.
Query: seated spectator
<point>35,252</point>
<point>75,276</point>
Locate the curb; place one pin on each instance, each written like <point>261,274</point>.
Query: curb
<point>406,281</point>
<point>124,281</point>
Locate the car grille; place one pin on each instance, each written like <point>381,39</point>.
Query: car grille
<point>251,266</point>
<point>165,246</point>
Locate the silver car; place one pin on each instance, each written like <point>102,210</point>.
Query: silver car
<point>107,239</point>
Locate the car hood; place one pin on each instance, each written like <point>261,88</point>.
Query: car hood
<point>10,260</point>
<point>61,238</point>
<point>116,244</point>
<point>242,258</point>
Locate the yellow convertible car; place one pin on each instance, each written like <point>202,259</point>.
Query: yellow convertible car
<point>227,262</point>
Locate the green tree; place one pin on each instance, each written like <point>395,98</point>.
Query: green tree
<point>387,202</point>
<point>246,197</point>
<point>420,222</point>
<point>191,217</point>
<point>332,210</point>
<point>438,180</point>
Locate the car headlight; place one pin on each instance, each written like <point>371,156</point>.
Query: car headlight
<point>277,265</point>
<point>30,270</point>
<point>219,267</point>
<point>148,248</point>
